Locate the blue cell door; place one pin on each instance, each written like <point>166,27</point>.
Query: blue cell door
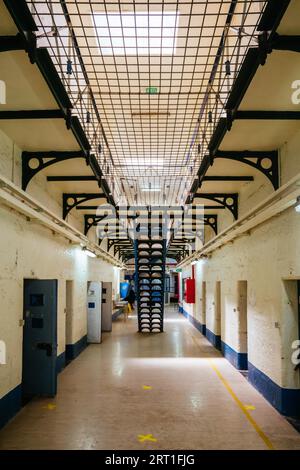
<point>39,375</point>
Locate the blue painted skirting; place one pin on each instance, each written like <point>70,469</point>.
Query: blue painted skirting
<point>60,362</point>
<point>194,321</point>
<point>73,350</point>
<point>10,404</point>
<point>237,359</point>
<point>215,340</point>
<point>285,400</point>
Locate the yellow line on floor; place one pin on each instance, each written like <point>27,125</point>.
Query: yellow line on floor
<point>257,428</point>
<point>242,407</point>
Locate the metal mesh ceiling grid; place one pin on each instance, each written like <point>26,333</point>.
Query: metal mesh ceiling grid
<point>148,81</point>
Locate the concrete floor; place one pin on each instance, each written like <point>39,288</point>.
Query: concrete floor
<point>164,391</point>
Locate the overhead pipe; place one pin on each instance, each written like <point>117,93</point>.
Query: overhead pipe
<point>17,199</point>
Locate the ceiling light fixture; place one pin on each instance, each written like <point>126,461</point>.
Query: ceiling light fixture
<point>89,253</point>
<point>150,190</point>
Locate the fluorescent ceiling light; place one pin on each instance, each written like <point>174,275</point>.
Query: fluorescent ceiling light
<point>139,33</point>
<point>89,253</point>
<point>151,190</point>
<point>145,162</point>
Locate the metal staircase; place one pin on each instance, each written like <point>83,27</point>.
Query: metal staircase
<point>150,259</point>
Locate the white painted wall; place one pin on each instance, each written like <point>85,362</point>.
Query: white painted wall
<point>28,250</point>
<point>265,258</point>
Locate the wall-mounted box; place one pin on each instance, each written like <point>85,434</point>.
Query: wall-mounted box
<point>189,291</point>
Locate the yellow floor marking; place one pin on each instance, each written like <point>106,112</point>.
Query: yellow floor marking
<point>50,406</point>
<point>242,407</point>
<point>249,407</point>
<point>147,387</point>
<point>146,437</point>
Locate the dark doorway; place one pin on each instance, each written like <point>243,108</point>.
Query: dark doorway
<point>39,376</point>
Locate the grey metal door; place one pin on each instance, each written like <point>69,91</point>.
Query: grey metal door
<point>39,375</point>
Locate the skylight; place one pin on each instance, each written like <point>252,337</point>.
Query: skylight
<point>145,161</point>
<point>140,33</point>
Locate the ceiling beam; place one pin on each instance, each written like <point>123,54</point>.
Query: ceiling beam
<point>228,200</point>
<point>244,78</point>
<point>33,114</point>
<point>87,208</point>
<point>228,178</point>
<point>11,43</point>
<point>286,43</point>
<point>273,14</point>
<point>255,57</point>
<point>208,207</point>
<point>60,156</point>
<point>20,13</point>
<point>40,56</point>
<point>267,162</point>
<point>42,160</point>
<point>113,232</point>
<point>72,178</point>
<point>89,221</point>
<point>214,144</point>
<point>67,16</point>
<point>71,200</point>
<point>269,115</point>
<point>52,78</point>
